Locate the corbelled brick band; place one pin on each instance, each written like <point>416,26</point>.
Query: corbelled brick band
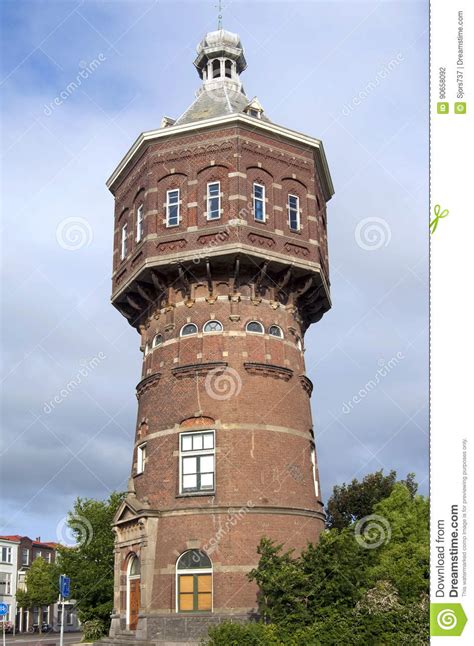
<point>242,379</point>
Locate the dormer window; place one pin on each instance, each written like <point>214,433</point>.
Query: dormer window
<point>254,113</point>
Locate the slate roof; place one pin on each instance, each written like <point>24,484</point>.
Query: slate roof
<point>217,102</point>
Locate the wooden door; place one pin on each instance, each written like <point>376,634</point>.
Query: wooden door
<point>134,602</point>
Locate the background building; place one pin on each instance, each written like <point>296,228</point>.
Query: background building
<point>17,554</point>
<point>220,263</point>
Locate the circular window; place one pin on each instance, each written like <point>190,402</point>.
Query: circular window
<point>189,328</point>
<point>274,330</point>
<point>255,327</point>
<point>157,340</point>
<point>213,326</point>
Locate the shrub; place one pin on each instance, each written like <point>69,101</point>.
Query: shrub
<point>93,629</point>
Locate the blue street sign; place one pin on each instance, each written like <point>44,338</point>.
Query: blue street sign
<point>64,586</point>
<point>3,609</point>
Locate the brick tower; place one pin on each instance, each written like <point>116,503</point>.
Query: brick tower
<point>220,263</point>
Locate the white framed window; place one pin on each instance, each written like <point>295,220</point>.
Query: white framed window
<point>313,467</point>
<point>6,555</point>
<point>157,340</point>
<point>275,330</point>
<point>212,326</point>
<point>294,212</point>
<point>49,557</point>
<point>5,583</point>
<point>213,200</point>
<point>197,461</point>
<point>172,207</point>
<point>194,582</point>
<point>141,458</point>
<point>259,202</point>
<point>254,327</point>
<point>189,328</point>
<point>139,232</point>
<point>123,241</point>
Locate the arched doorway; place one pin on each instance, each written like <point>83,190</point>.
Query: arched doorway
<point>194,582</point>
<point>133,591</point>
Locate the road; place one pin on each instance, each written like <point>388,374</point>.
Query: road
<point>50,639</point>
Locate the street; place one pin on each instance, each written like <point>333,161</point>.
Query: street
<point>50,639</point>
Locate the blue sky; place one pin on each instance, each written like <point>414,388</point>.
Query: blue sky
<point>354,74</point>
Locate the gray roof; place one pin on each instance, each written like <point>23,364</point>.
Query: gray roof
<point>217,102</point>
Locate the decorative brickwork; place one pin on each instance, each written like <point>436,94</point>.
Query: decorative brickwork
<point>221,298</point>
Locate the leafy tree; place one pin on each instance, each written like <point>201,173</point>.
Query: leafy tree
<point>90,564</point>
<point>41,586</point>
<point>404,559</point>
<point>351,502</point>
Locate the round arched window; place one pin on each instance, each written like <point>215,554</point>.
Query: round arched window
<point>194,582</point>
<point>213,326</point>
<point>189,328</point>
<point>134,566</point>
<point>255,327</point>
<point>274,330</point>
<point>157,340</point>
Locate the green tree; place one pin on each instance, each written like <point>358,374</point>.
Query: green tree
<point>351,502</point>
<point>41,586</point>
<point>90,564</point>
<point>404,559</point>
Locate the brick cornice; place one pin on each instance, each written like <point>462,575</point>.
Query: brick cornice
<point>269,370</point>
<point>192,369</point>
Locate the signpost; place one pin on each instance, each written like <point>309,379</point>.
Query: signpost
<point>3,613</point>
<point>64,592</point>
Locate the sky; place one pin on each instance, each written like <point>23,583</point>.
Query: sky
<point>354,74</point>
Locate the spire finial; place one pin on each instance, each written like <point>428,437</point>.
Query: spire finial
<point>219,17</point>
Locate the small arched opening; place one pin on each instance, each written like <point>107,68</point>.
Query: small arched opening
<point>133,591</point>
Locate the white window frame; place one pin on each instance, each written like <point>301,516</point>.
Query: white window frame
<point>259,199</point>
<point>253,331</point>
<point>8,554</point>
<point>179,571</point>
<point>129,578</point>
<point>191,333</point>
<point>141,458</point>
<point>210,197</point>
<point>8,584</point>
<point>155,343</point>
<point>212,331</point>
<point>123,241</point>
<point>169,204</point>
<point>196,453</point>
<point>275,336</point>
<point>313,466</point>
<point>139,223</point>
<point>296,210</point>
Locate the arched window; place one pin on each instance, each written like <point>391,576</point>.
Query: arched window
<point>147,349</point>
<point>133,591</point>
<point>194,582</point>
<point>228,69</point>
<point>216,68</point>
<point>254,327</point>
<point>213,326</point>
<point>189,328</point>
<point>275,330</point>
<point>157,340</point>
